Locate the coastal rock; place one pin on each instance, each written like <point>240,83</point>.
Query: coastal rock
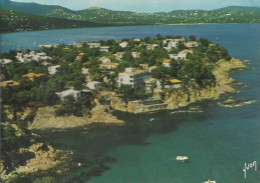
<point>46,118</point>
<point>233,103</point>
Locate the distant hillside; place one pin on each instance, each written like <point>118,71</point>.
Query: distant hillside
<point>13,21</point>
<point>232,14</point>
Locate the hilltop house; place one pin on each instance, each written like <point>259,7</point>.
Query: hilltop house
<point>191,44</point>
<point>109,65</point>
<point>94,45</point>
<point>124,44</point>
<point>166,63</point>
<point>104,48</point>
<point>70,92</point>
<point>53,69</point>
<point>132,77</point>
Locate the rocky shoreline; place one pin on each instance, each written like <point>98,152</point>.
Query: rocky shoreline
<point>172,99</point>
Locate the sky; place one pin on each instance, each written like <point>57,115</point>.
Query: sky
<point>147,6</point>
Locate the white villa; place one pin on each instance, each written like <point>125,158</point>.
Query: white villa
<point>94,45</point>
<point>70,92</point>
<point>132,77</point>
<point>93,85</point>
<point>53,69</point>
<point>104,48</point>
<point>124,44</point>
<point>136,54</point>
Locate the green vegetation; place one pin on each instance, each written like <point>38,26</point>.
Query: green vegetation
<point>13,21</point>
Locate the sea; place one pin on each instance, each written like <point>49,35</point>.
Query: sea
<point>222,143</point>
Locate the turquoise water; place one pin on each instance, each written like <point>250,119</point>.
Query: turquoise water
<point>218,141</point>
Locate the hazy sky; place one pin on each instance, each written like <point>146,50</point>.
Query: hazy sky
<point>146,5</point>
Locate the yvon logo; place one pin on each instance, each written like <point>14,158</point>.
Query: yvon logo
<point>249,166</point>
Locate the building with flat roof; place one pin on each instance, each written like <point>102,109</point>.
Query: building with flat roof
<point>132,77</point>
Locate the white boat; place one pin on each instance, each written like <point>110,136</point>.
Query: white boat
<point>182,158</point>
<point>209,181</point>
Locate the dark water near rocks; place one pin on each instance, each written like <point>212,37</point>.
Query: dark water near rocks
<point>218,141</point>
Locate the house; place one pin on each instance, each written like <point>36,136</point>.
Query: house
<point>119,55</point>
<point>166,63</point>
<point>109,65</point>
<point>124,44</point>
<point>132,77</point>
<point>178,40</point>
<point>5,61</point>
<point>104,60</point>
<point>172,83</point>
<point>70,92</point>
<point>94,85</point>
<point>136,54</point>
<point>53,69</point>
<point>94,45</point>
<point>84,71</point>
<point>104,48</point>
<point>152,46</point>
<point>191,44</point>
<point>182,55</point>
<point>31,76</point>
<point>137,40</point>
<point>9,83</point>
